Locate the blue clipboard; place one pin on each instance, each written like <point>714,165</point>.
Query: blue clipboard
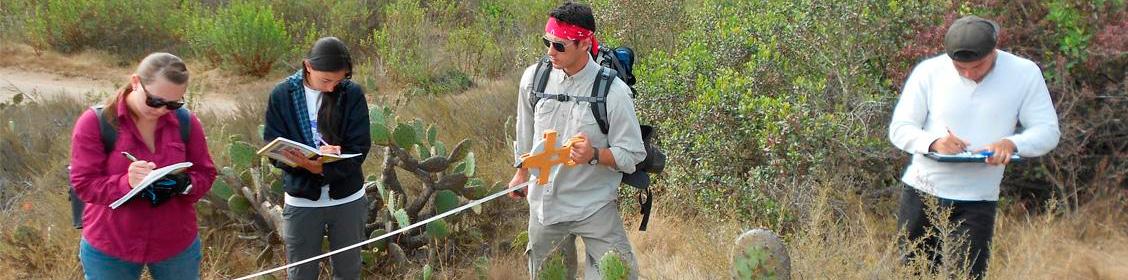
<point>966,157</point>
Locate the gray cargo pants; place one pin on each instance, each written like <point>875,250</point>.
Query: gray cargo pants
<point>601,232</point>
<point>303,228</point>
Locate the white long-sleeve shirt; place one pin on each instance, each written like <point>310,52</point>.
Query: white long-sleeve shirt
<point>577,192</point>
<point>936,97</point>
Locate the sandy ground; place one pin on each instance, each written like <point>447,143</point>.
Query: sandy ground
<point>37,85</point>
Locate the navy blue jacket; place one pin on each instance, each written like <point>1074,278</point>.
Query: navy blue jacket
<point>286,117</point>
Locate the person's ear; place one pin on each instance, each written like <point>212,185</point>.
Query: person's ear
<point>135,81</point>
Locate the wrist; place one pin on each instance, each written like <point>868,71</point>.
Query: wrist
<point>1011,145</point>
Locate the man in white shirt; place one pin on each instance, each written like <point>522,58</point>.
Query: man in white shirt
<point>972,99</point>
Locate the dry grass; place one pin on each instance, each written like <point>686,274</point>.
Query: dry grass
<point>1090,243</point>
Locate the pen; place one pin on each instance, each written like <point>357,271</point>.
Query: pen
<point>321,140</point>
<point>129,156</point>
<point>950,133</point>
<point>953,135</point>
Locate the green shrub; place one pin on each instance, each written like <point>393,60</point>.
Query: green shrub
<point>14,15</point>
<point>633,23</point>
<point>475,51</point>
<point>516,26</point>
<point>351,21</point>
<point>128,28</point>
<point>244,35</point>
<point>765,98</point>
<point>399,43</point>
<point>451,81</point>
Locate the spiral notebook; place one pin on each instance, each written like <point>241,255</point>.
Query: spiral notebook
<point>149,180</point>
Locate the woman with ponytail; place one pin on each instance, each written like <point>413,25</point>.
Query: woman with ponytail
<point>156,229</point>
<point>319,106</point>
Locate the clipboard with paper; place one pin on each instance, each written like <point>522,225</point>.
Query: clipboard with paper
<point>980,157</point>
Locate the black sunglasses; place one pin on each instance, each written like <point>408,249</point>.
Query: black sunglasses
<point>559,46</point>
<point>156,102</point>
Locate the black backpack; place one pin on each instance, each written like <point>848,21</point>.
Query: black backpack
<point>109,139</point>
<point>616,63</point>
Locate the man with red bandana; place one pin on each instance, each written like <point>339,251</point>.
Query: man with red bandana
<point>578,201</point>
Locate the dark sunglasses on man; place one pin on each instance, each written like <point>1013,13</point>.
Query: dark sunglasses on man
<point>559,46</point>
<point>156,102</point>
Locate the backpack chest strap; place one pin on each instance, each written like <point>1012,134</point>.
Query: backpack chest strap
<point>569,98</point>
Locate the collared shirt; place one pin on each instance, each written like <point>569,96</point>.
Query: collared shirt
<point>936,98</point>
<point>577,192</point>
<point>137,232</point>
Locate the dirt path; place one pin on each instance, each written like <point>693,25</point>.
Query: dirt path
<point>38,85</point>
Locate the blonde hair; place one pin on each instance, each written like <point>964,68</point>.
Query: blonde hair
<point>155,65</point>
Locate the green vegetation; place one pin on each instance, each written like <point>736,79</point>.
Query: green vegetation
<point>131,29</point>
<point>244,35</point>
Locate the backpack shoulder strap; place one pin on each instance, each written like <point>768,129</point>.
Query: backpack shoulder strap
<point>600,88</point>
<point>109,134</point>
<point>184,118</point>
<point>540,80</point>
<point>107,131</point>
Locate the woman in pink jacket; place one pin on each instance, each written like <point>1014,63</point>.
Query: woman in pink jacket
<point>156,229</point>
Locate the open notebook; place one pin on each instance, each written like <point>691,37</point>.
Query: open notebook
<point>965,157</point>
<point>274,150</point>
<point>153,176</point>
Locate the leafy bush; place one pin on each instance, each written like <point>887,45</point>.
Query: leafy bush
<point>351,21</point>
<point>765,98</point>
<point>452,81</point>
<point>13,17</point>
<point>400,42</point>
<point>633,23</point>
<point>244,35</point>
<point>129,28</point>
<point>475,51</point>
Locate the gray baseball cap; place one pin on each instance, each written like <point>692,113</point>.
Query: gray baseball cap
<point>971,38</point>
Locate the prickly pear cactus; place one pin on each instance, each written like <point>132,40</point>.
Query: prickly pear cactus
<point>760,254</point>
<point>448,179</point>
<point>553,267</point>
<point>248,189</point>
<point>482,268</point>
<point>613,267</point>
<point>427,272</point>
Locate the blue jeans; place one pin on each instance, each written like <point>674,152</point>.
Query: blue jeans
<point>97,266</point>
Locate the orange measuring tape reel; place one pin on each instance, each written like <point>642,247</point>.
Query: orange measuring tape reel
<point>549,155</point>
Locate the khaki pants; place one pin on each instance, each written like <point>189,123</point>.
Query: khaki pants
<point>601,232</point>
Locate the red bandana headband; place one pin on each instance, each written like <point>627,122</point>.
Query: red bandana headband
<point>571,32</point>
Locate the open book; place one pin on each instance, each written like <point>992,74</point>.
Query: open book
<point>153,176</point>
<point>274,150</point>
<point>965,157</point>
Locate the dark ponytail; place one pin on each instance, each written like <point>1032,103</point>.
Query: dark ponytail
<point>331,55</point>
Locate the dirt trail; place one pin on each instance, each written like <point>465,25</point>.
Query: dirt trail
<point>42,85</point>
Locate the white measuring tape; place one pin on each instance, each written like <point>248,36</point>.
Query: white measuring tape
<point>415,225</point>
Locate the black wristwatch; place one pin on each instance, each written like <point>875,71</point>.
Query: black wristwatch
<point>594,158</point>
